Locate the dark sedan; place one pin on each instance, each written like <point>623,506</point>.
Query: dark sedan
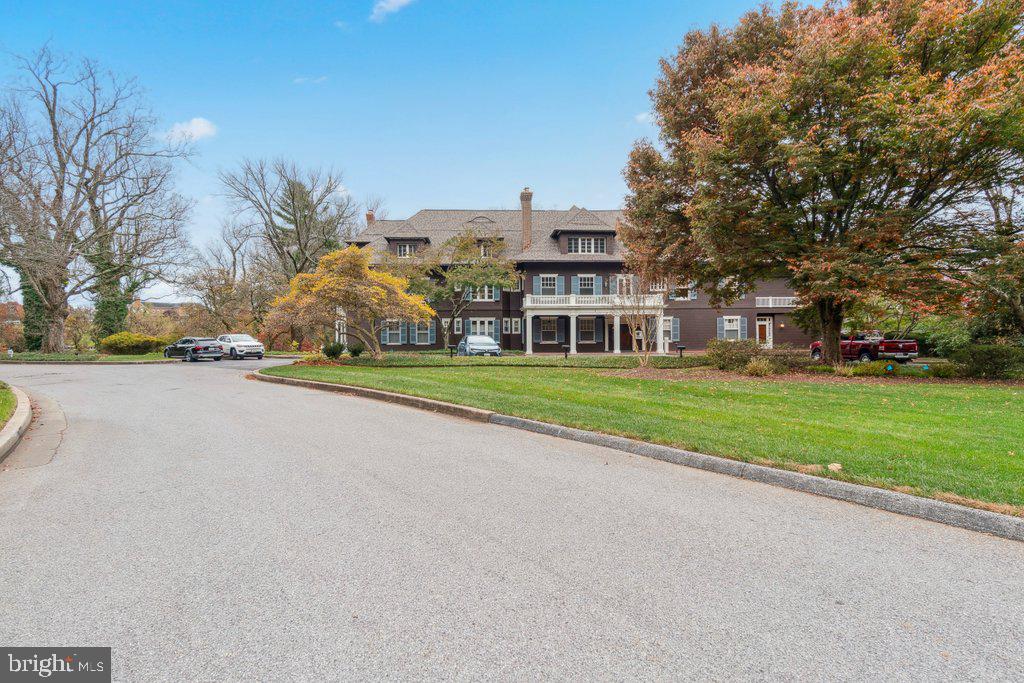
<point>195,348</point>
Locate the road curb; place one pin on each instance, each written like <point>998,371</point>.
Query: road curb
<point>16,427</point>
<point>403,399</point>
<point>929,509</point>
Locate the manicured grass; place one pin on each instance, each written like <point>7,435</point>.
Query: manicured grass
<point>552,361</point>
<point>82,357</point>
<point>931,439</point>
<point>8,403</point>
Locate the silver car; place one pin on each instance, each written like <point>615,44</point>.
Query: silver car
<point>478,345</point>
<point>241,346</point>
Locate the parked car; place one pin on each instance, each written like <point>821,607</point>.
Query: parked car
<point>241,346</point>
<point>478,345</point>
<point>867,348</point>
<point>195,348</point>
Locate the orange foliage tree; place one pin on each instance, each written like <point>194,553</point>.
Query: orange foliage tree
<point>344,285</point>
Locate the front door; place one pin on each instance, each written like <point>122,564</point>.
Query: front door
<point>764,331</point>
<point>482,326</point>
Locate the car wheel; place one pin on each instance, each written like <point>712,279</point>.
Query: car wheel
<point>816,354</point>
<point>218,357</point>
<point>234,354</point>
<point>865,357</point>
<point>167,354</point>
<point>189,357</point>
<point>259,357</point>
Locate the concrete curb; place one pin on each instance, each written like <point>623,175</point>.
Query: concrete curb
<point>10,435</point>
<point>868,496</point>
<point>159,361</point>
<point>404,399</point>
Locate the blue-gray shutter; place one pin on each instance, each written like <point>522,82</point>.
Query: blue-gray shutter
<point>497,293</point>
<point>497,330</point>
<point>598,284</point>
<point>675,329</point>
<point>575,284</point>
<point>721,328</point>
<point>599,324</point>
<point>536,331</point>
<point>613,285</point>
<point>468,296</point>
<point>466,328</point>
<point>384,333</point>
<point>536,284</point>
<point>561,331</point>
<point>433,332</point>
<point>743,327</point>
<point>559,284</point>
<point>403,329</point>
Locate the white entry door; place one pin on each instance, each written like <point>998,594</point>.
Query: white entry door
<point>482,326</point>
<point>764,331</point>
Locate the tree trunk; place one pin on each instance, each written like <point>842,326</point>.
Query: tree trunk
<point>53,336</point>
<point>830,315</point>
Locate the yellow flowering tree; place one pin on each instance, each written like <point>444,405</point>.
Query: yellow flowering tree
<point>345,285</point>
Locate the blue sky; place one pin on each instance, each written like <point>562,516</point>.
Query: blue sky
<point>427,103</point>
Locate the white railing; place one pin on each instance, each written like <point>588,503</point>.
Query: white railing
<point>593,300</point>
<point>776,302</point>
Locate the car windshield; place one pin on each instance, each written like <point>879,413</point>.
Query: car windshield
<point>478,339</point>
<point>242,337</point>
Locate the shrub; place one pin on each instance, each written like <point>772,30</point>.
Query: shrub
<point>789,358</point>
<point>356,350</point>
<point>990,361</point>
<point>759,366</point>
<point>875,368</point>
<point>334,350</point>
<point>943,370</point>
<point>842,370</point>
<point>732,355</point>
<point>130,343</point>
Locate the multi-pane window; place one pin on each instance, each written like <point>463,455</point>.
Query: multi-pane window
<point>684,291</point>
<point>422,333</point>
<point>666,329</point>
<point>457,325</point>
<point>485,293</point>
<point>624,284</point>
<point>405,250</point>
<point>394,329</point>
<point>517,285</point>
<point>587,328</point>
<point>732,326</point>
<point>586,245</point>
<point>548,284</point>
<point>516,322</point>
<point>506,325</point>
<point>586,284</point>
<point>549,330</point>
<point>659,285</point>
<point>485,249</point>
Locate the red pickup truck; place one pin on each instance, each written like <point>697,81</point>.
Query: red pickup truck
<point>865,348</point>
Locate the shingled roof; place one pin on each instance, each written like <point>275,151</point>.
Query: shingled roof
<point>438,225</point>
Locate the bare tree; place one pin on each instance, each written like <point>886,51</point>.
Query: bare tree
<point>299,215</point>
<point>84,185</point>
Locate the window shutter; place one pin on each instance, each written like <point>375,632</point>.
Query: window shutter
<point>536,331</point>
<point>384,333</point>
<point>675,329</point>
<point>575,284</point>
<point>559,284</point>
<point>743,327</point>
<point>693,293</point>
<point>599,329</point>
<point>403,329</point>
<point>613,285</point>
<point>497,293</point>
<point>433,332</point>
<point>468,296</point>
<point>721,328</point>
<point>561,331</point>
<point>536,284</point>
<point>598,284</point>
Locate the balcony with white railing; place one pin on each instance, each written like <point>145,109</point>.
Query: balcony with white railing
<point>610,301</point>
<point>776,302</point>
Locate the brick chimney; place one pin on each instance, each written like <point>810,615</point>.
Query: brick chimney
<point>526,202</point>
<point>370,218</point>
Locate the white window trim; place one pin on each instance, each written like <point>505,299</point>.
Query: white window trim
<point>458,326</point>
<point>488,291</point>
<point>731,323</point>
<point>517,285</point>
<point>554,330</point>
<point>425,332</point>
<point>409,248</point>
<point>591,243</point>
<point>396,335</point>
<point>554,286</point>
<point>506,326</point>
<point>477,322</point>
<point>516,325</point>
<point>659,286</point>
<point>593,283</point>
<point>592,331</point>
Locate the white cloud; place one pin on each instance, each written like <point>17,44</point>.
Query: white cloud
<point>645,117</point>
<point>191,130</point>
<point>309,79</point>
<point>343,25</point>
<point>382,8</point>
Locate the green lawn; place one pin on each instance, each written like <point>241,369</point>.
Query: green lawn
<point>926,438</point>
<point>8,403</point>
<point>89,357</point>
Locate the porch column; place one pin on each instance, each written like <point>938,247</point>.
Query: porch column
<point>572,333</point>
<point>661,332</point>
<point>618,337</point>
<point>529,333</point>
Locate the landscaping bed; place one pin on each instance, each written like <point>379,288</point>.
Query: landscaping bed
<point>951,440</point>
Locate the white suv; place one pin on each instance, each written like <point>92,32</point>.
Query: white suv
<point>241,346</point>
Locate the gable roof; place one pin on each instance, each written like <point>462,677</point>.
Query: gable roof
<point>439,225</point>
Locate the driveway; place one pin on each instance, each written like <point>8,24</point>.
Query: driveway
<point>209,527</point>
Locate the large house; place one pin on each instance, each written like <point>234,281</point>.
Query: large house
<point>573,294</point>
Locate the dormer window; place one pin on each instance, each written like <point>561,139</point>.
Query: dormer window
<point>485,249</point>
<point>587,245</point>
<point>405,250</point>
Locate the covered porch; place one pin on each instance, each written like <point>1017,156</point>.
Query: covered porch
<point>593,323</point>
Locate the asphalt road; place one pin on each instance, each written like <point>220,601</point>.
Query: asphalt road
<point>208,527</point>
